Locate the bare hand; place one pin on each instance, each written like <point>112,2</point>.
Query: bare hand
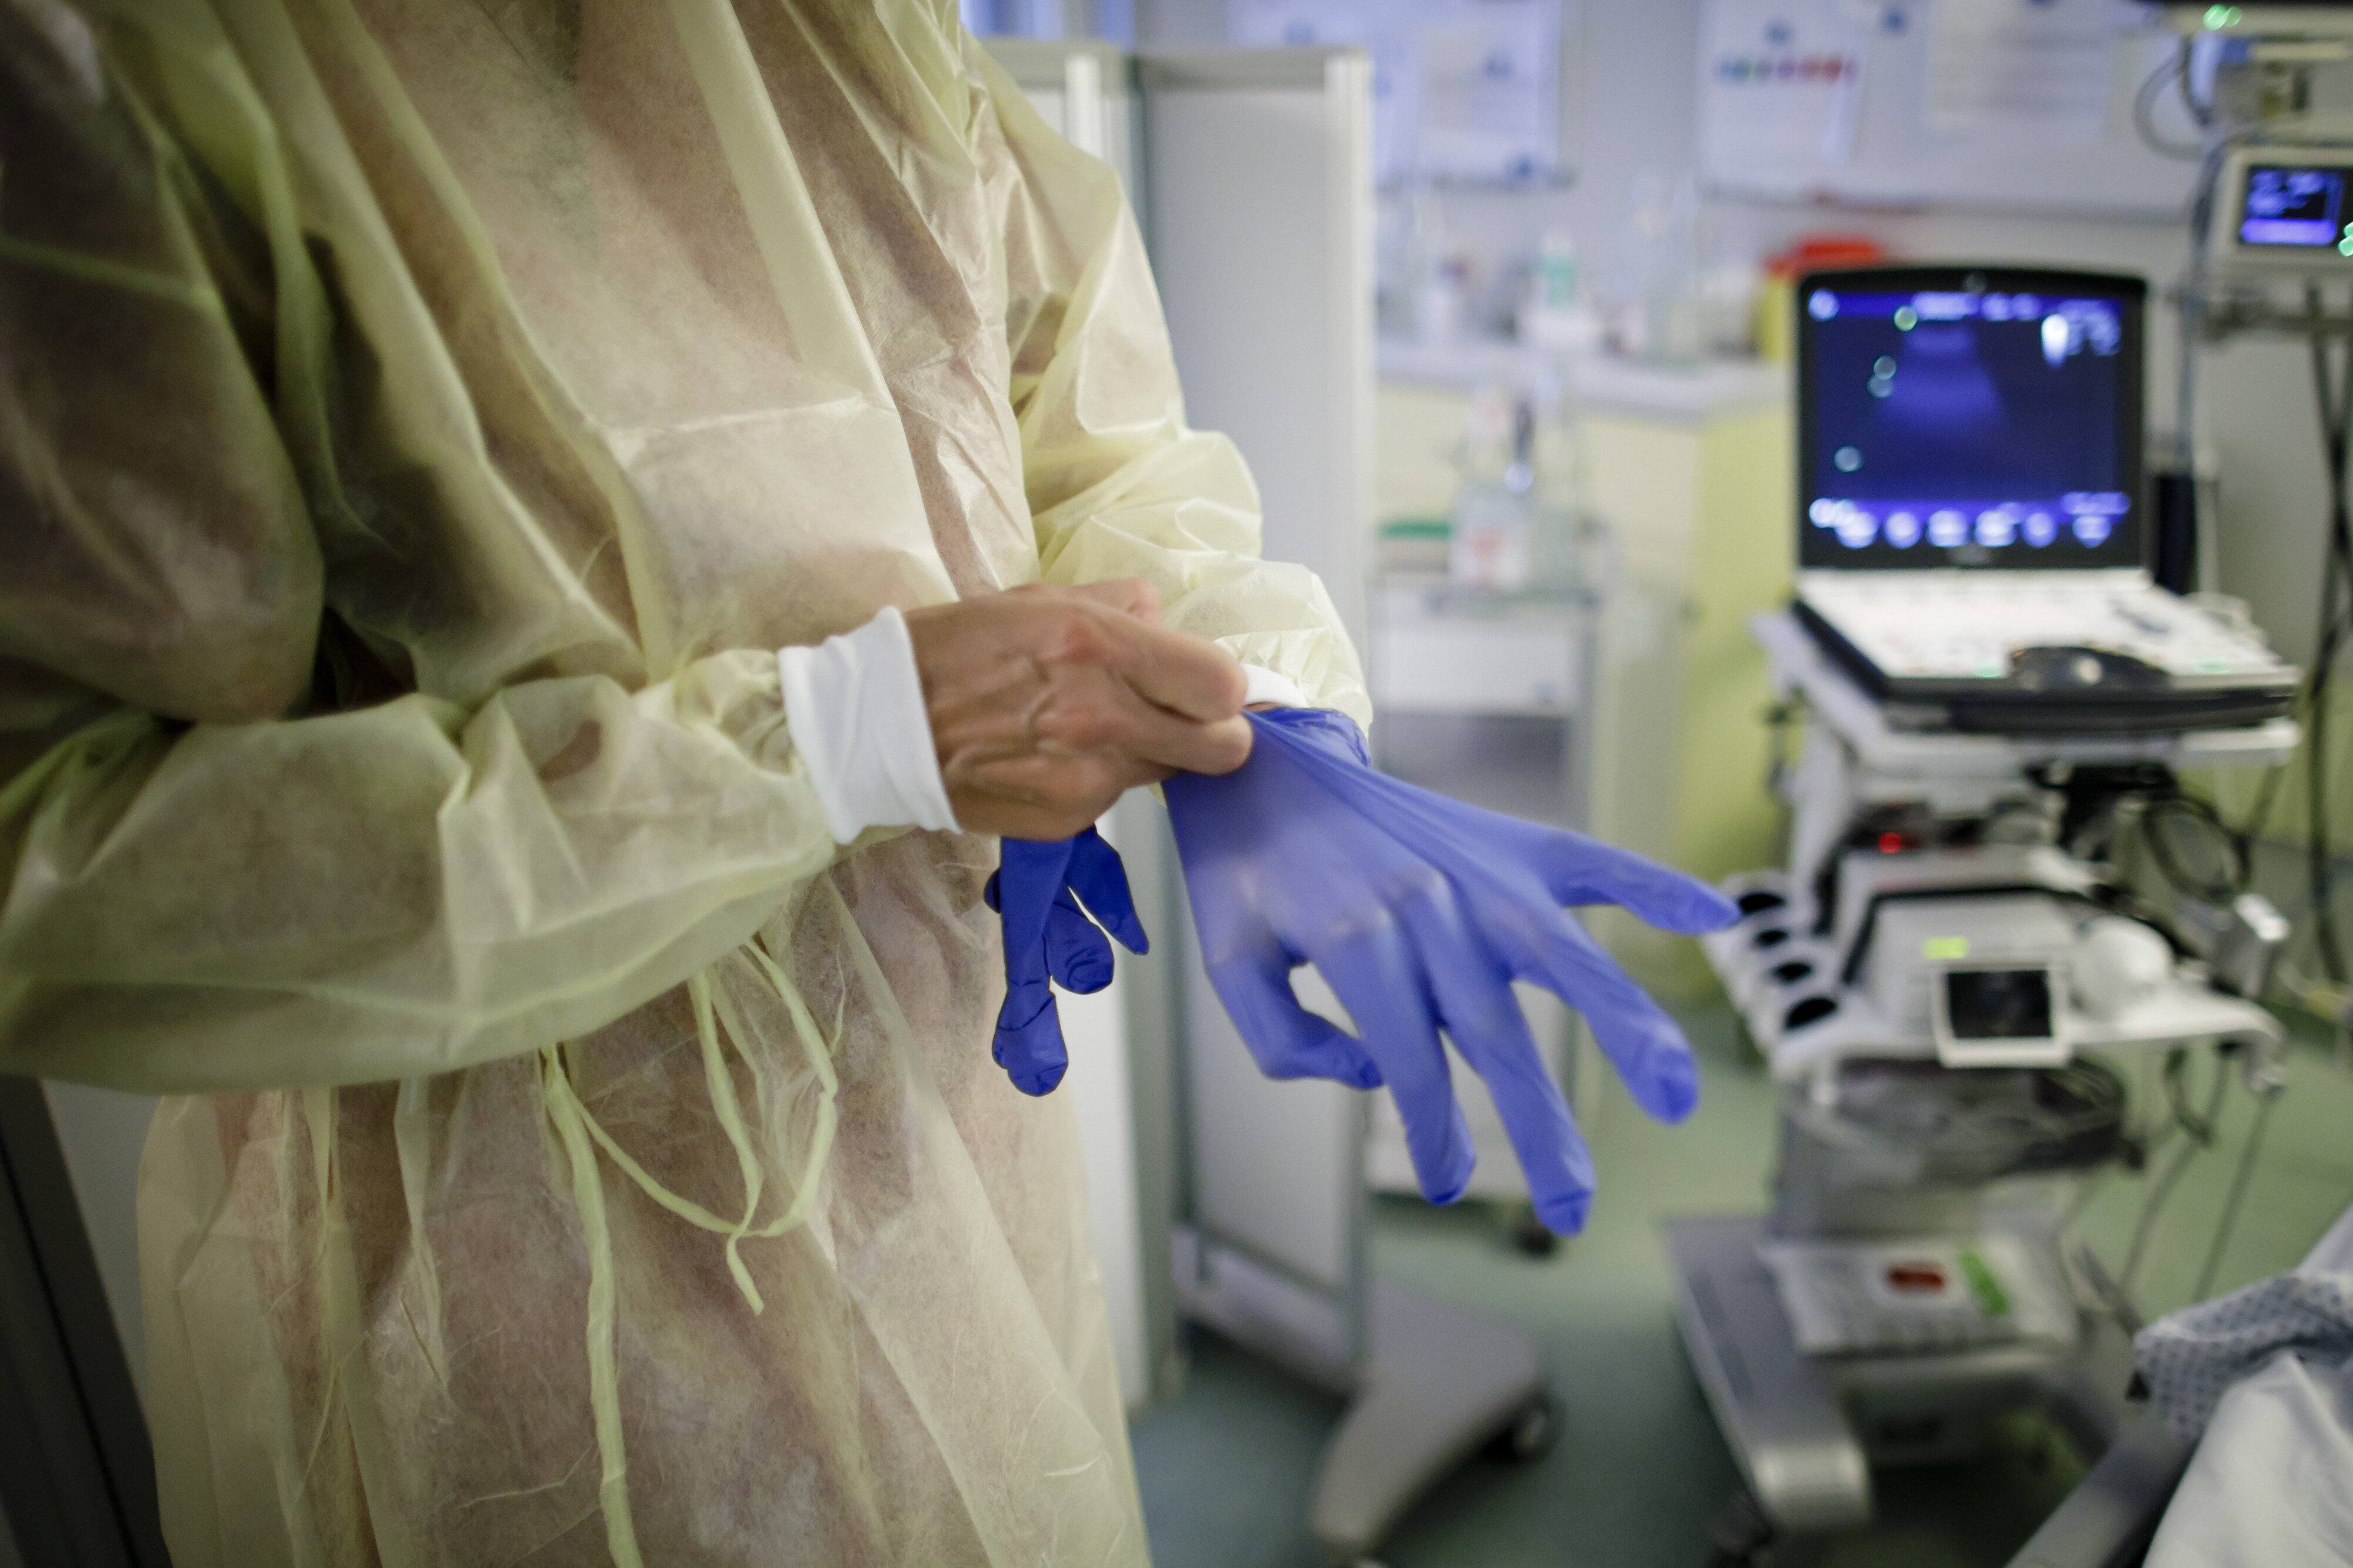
<point>1048,704</point>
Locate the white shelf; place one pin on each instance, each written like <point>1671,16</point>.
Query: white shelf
<point>1600,380</point>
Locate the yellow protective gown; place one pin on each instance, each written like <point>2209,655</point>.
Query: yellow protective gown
<point>418,423</point>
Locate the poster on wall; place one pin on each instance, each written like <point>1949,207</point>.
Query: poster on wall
<point>1993,105</point>
<point>1786,79</point>
<point>1463,90</point>
<point>2008,65</point>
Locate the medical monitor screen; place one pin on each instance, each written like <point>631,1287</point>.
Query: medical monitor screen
<point>1998,1005</point>
<point>2298,208</point>
<point>1968,427</point>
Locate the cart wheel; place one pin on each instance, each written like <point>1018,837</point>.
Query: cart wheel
<point>1531,1435</point>
<point>1739,1534</point>
<point>1533,1237</point>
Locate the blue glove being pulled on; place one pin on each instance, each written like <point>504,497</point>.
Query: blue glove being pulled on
<point>1421,912</point>
<point>1036,891</point>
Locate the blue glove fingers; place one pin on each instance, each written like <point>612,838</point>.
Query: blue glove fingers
<point>1287,1040</point>
<point>1580,870</point>
<point>1029,876</point>
<point>1028,1040</point>
<point>1099,878</point>
<point>1028,1044</point>
<point>1640,1041</point>
<point>1378,978</point>
<point>1484,1021</point>
<point>1574,870</point>
<point>1077,955</point>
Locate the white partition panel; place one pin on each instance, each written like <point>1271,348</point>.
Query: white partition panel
<point>1258,164</point>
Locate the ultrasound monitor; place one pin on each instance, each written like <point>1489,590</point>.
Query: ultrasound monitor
<point>1974,418</point>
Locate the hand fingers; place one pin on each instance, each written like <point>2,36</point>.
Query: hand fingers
<point>1640,1041</point>
<point>1128,596</point>
<point>1378,979</point>
<point>1028,1044</point>
<point>1154,734</point>
<point>1484,1019</point>
<point>1287,1040</point>
<point>1191,676</point>
<point>1077,953</point>
<point>1100,879</point>
<point>1044,798</point>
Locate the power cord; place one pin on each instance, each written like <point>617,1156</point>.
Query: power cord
<point>2335,628</point>
<point>2176,70</point>
<point>2227,1227</point>
<point>2201,1135</point>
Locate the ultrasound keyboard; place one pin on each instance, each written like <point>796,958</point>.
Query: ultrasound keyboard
<point>2097,649</point>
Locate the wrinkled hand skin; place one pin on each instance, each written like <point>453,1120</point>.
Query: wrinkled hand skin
<point>1048,704</point>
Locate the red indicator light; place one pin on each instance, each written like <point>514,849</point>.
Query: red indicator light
<point>1891,843</point>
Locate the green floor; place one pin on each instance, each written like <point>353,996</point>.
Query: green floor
<point>1227,1468</point>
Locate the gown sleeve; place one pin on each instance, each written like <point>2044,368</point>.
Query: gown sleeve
<point>208,879</point>
<point>1118,484</point>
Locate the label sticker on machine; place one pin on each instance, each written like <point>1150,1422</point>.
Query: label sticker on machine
<point>1846,1298</point>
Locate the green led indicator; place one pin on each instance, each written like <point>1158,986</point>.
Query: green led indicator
<point>1984,1284</point>
<point>1944,948</point>
<point>2344,246</point>
<point>1906,318</point>
<point>2223,16</point>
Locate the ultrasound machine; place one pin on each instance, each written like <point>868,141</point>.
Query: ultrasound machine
<point>1954,973</point>
<point>1977,551</point>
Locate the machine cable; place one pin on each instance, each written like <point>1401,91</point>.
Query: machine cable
<point>2227,1227</point>
<point>2336,624</point>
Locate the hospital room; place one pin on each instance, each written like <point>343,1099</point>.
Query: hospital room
<point>1215,784</point>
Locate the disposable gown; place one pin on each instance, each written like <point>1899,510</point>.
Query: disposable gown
<point>419,422</point>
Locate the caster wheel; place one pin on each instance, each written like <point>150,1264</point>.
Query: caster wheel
<point>1739,1535</point>
<point>1531,1435</point>
<point>1530,1235</point>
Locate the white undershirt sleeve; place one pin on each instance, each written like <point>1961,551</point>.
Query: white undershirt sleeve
<point>855,706</point>
<point>1266,686</point>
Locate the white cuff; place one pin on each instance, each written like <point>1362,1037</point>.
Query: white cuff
<point>855,707</point>
<point>1266,686</point>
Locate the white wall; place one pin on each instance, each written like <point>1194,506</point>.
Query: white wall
<point>1631,104</point>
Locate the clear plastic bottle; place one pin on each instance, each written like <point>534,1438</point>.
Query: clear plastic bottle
<point>1494,520</point>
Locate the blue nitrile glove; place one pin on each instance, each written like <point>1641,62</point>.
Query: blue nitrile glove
<point>1421,912</point>
<point>1048,937</point>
